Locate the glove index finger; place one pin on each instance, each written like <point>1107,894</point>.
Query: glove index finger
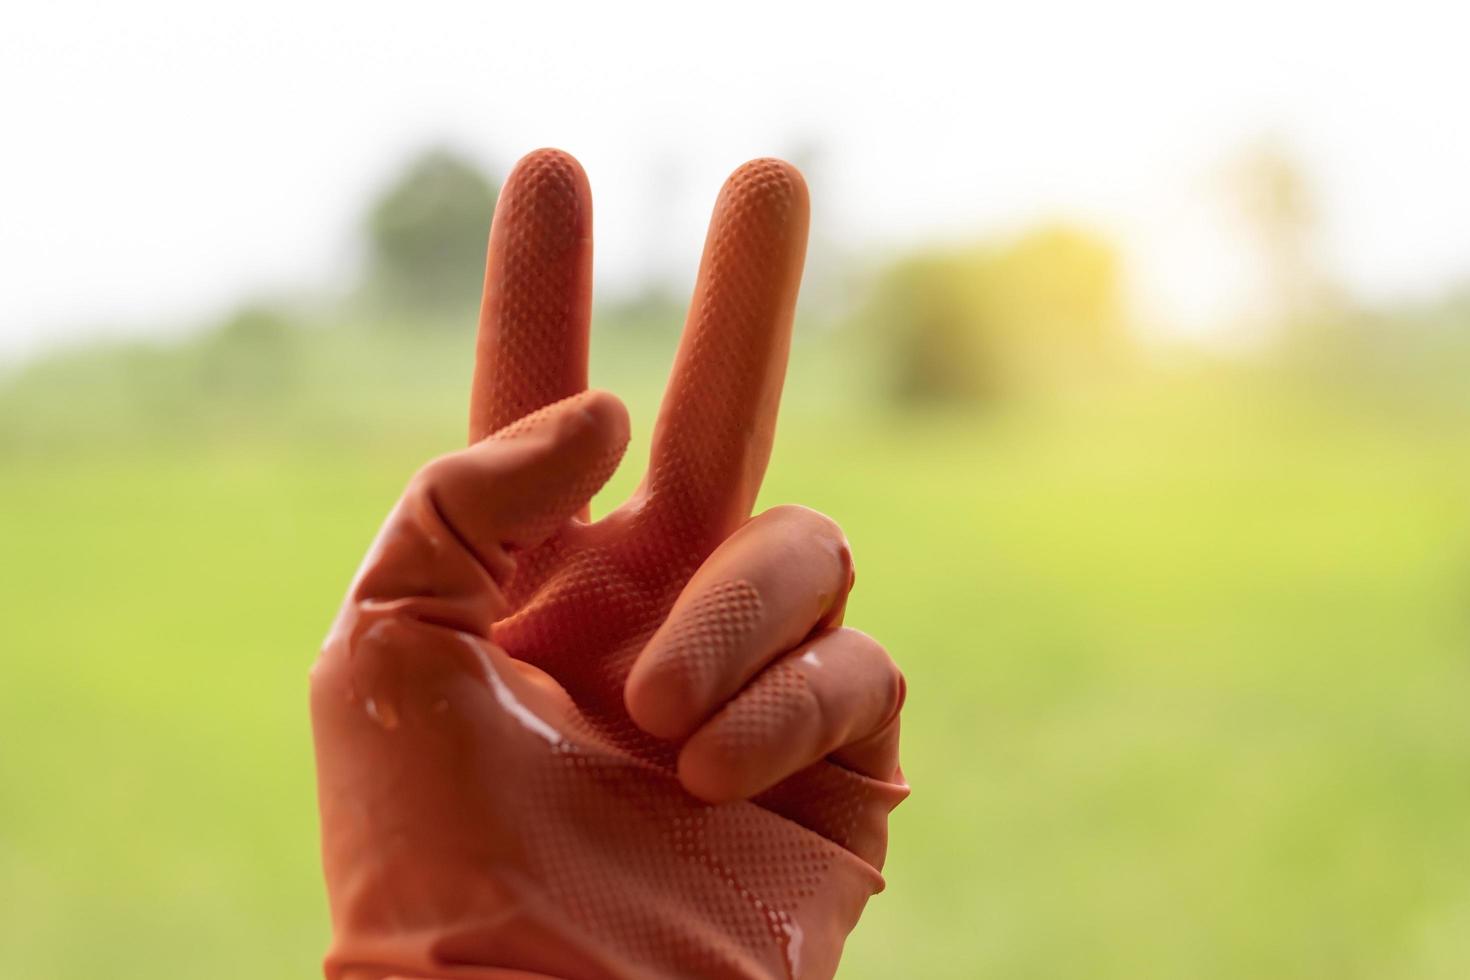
<point>532,346</point>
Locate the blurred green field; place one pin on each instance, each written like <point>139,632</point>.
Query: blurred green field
<point>1188,671</point>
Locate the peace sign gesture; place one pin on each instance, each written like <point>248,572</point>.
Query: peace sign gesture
<point>638,747</point>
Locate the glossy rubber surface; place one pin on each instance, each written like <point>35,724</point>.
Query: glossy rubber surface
<point>641,747</point>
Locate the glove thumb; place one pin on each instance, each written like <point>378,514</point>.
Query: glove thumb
<point>448,548</point>
<point>516,487</point>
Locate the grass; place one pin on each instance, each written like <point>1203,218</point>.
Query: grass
<point>1187,665</point>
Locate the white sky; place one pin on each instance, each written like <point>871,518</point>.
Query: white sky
<point>159,161</point>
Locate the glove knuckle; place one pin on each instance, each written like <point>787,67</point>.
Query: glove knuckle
<point>805,520</point>
<point>435,475</point>
<point>885,669</point>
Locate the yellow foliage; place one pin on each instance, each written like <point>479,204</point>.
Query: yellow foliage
<point>983,321</point>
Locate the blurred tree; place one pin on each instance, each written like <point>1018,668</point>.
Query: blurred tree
<point>985,322</point>
<point>427,235</point>
<point>253,357</point>
<point>934,340</point>
<point>1274,198</point>
<point>1401,353</point>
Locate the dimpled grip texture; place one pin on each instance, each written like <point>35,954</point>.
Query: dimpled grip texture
<point>513,817</point>
<point>537,295</point>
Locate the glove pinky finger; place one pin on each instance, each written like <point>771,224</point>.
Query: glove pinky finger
<point>836,695</point>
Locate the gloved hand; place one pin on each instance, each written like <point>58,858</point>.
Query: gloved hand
<point>637,747</point>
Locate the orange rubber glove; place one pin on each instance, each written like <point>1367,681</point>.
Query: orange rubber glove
<point>640,747</point>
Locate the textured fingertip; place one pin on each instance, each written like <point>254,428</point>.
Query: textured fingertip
<point>551,159</point>
<point>548,202</point>
<point>604,416</point>
<point>574,446</point>
<point>708,782</point>
<point>765,197</point>
<point>592,430</point>
<point>550,185</point>
<point>767,178</point>
<point>647,694</point>
<point>592,417</point>
<point>757,740</point>
<point>677,681</point>
<point>659,697</point>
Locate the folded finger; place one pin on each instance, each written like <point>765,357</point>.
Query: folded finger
<point>784,574</point>
<point>837,695</point>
